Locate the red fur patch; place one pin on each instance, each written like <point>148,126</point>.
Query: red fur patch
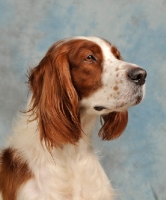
<point>13,173</point>
<point>86,74</point>
<point>114,125</point>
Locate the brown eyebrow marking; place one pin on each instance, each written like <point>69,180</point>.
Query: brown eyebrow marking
<point>116,53</point>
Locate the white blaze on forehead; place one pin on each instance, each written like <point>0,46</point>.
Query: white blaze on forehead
<point>105,46</point>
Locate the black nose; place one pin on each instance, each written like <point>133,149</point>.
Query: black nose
<point>137,75</point>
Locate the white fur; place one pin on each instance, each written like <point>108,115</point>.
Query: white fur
<point>73,172</point>
<point>70,173</point>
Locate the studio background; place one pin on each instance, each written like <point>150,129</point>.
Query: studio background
<point>136,162</point>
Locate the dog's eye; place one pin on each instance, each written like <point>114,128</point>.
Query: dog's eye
<point>90,58</point>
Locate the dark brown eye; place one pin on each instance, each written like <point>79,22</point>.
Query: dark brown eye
<point>90,58</point>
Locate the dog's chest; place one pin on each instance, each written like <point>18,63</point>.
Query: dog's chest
<point>77,177</point>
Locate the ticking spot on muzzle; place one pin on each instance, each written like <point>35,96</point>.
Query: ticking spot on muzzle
<point>99,108</point>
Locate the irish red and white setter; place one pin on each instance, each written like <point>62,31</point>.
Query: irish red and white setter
<point>50,154</point>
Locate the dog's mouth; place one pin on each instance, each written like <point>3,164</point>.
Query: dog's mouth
<point>99,108</point>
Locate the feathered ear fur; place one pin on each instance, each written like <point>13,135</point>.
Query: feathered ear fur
<point>113,124</point>
<point>54,99</point>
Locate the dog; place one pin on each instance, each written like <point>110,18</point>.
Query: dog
<point>50,154</point>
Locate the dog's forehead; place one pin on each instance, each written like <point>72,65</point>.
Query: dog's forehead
<point>104,45</point>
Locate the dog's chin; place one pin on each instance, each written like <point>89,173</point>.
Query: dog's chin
<point>138,100</point>
<point>119,105</point>
<point>124,105</point>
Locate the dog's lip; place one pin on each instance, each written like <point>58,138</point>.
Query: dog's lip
<point>99,108</point>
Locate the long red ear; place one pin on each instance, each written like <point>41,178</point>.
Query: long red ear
<point>113,126</point>
<point>54,100</point>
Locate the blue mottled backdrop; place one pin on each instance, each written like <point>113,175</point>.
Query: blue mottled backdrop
<point>136,162</point>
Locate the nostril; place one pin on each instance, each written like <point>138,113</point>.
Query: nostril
<point>137,75</point>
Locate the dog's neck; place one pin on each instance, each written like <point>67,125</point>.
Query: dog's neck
<point>27,138</point>
<point>87,123</point>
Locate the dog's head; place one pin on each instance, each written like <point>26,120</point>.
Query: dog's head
<point>83,74</point>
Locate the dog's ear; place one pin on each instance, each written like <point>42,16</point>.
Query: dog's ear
<point>54,99</point>
<point>113,124</point>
